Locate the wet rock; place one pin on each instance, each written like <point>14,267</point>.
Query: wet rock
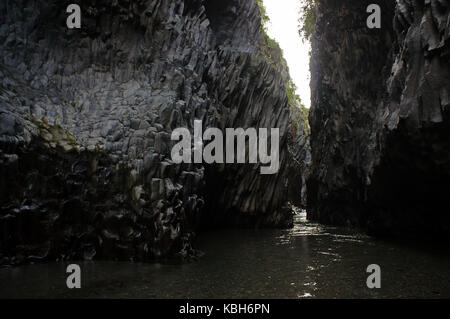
<point>86,142</point>
<point>379,121</point>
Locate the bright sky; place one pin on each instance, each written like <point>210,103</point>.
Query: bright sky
<point>283,27</point>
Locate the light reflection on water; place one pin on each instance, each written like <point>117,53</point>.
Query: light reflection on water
<point>308,261</point>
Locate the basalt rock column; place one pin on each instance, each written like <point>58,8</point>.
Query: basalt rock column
<point>86,117</point>
<point>380,126</point>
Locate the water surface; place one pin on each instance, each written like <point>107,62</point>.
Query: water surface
<point>308,261</point>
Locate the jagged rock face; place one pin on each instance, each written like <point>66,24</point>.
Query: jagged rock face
<point>300,149</point>
<point>380,126</point>
<point>86,118</point>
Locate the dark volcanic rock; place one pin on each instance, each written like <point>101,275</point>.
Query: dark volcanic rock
<point>86,118</point>
<point>380,117</point>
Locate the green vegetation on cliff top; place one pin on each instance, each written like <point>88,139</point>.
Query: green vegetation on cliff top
<point>274,54</point>
<point>307,20</point>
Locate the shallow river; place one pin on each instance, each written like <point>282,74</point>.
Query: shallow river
<point>308,261</point>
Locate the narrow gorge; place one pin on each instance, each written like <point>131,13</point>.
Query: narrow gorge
<point>87,117</point>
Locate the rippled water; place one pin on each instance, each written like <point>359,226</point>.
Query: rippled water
<point>308,261</point>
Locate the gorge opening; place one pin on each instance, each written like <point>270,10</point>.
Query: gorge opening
<point>87,176</point>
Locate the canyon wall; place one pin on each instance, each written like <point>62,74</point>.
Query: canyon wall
<point>86,117</point>
<point>380,117</point>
